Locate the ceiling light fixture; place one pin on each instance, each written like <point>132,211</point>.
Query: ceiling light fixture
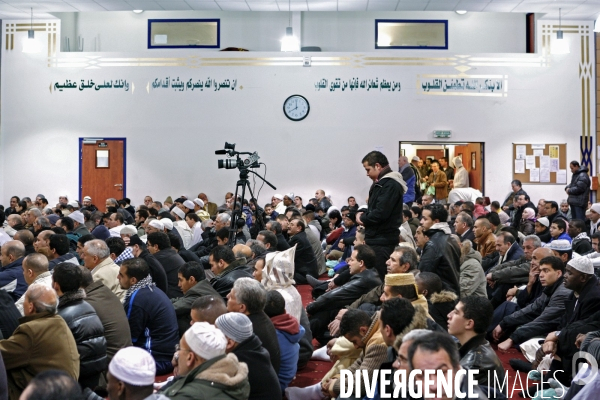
<point>461,12</point>
<point>138,11</point>
<point>560,46</point>
<point>289,41</point>
<point>29,44</point>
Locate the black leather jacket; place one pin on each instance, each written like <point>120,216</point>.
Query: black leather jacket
<point>478,354</point>
<point>336,299</point>
<point>223,282</point>
<point>384,215</point>
<point>87,330</point>
<point>442,258</point>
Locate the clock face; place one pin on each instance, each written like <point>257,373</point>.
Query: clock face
<point>296,107</point>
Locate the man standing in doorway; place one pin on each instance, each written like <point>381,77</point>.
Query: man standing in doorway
<point>383,217</point>
<point>578,190</point>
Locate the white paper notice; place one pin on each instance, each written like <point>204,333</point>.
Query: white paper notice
<point>545,162</point>
<point>538,153</point>
<point>521,152</point>
<point>544,175</point>
<point>553,164</point>
<point>538,146</point>
<point>561,176</point>
<point>519,166</point>
<point>529,162</point>
<point>534,175</point>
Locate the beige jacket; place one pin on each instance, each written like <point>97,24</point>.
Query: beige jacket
<point>106,272</point>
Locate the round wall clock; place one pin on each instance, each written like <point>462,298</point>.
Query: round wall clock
<point>296,107</point>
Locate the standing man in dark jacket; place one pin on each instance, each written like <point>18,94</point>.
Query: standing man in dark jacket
<point>383,217</point>
<point>578,190</point>
<point>249,297</point>
<point>305,262</point>
<point>159,246</point>
<point>83,322</point>
<point>364,278</point>
<point>152,319</point>
<point>241,341</point>
<point>440,255</point>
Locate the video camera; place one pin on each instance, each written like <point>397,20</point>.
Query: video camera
<point>239,163</point>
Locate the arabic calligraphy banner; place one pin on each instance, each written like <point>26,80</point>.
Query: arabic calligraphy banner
<point>496,85</point>
<point>176,84</point>
<point>354,84</point>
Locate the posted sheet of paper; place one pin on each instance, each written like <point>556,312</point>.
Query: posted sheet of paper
<point>538,146</point>
<point>529,162</point>
<point>545,162</point>
<point>534,175</point>
<point>553,164</point>
<point>561,176</point>
<point>519,166</point>
<point>538,153</point>
<point>544,175</point>
<point>553,151</point>
<point>521,149</point>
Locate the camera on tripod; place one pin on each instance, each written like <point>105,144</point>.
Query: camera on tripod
<point>239,163</point>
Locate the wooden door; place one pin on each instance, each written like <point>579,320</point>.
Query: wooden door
<point>102,170</point>
<point>475,174</point>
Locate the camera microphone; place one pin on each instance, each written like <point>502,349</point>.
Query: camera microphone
<point>221,152</point>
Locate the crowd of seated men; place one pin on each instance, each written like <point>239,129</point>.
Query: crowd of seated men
<point>97,301</point>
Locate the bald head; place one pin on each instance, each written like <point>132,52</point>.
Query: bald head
<point>538,254</point>
<point>14,219</point>
<point>36,262</point>
<point>241,250</point>
<point>40,298</point>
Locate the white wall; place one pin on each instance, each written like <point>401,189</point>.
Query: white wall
<point>172,135</point>
<point>262,31</point>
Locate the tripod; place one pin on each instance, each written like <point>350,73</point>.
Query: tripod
<point>237,213</point>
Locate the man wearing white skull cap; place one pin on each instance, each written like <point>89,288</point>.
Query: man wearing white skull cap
<point>580,306</point>
<point>206,372</point>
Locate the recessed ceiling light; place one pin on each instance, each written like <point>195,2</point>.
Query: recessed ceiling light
<point>461,12</point>
<point>141,11</point>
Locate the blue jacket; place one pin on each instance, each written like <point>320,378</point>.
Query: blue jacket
<point>152,322</point>
<point>12,279</point>
<point>409,177</point>
<point>289,346</point>
<point>563,236</point>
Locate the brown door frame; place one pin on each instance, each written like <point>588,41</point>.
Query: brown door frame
<point>431,143</point>
<point>81,142</point>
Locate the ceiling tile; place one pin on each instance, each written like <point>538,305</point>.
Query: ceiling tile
<point>174,5</point>
<point>115,5</point>
<point>411,6</point>
<point>389,5</point>
<point>233,5</point>
<point>500,6</point>
<point>442,6</point>
<point>87,7</point>
<point>323,6</point>
<point>144,5</point>
<point>293,6</point>
<point>203,5</point>
<point>352,5</point>
<point>60,7</point>
<point>472,5</point>
<point>263,6</point>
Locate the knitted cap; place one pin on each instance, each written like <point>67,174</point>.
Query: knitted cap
<point>205,340</point>
<point>236,326</point>
<point>582,264</point>
<point>133,366</point>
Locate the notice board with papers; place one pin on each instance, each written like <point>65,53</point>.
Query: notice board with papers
<point>544,164</point>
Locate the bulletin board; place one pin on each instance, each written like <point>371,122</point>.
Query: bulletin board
<point>531,163</point>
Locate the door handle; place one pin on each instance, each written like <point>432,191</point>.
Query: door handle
<point>120,186</point>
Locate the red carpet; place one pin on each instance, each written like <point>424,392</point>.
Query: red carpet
<point>315,370</point>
